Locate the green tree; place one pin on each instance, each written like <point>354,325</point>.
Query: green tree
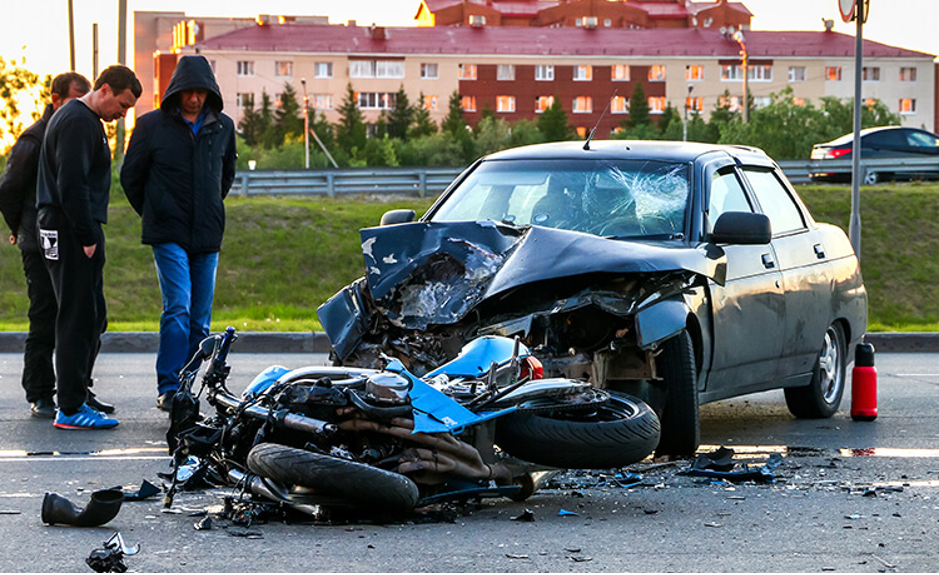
<point>322,128</point>
<point>492,134</point>
<point>350,131</point>
<point>638,108</point>
<point>250,126</point>
<point>400,116</point>
<point>423,125</point>
<point>270,136</point>
<point>553,123</point>
<point>454,122</point>
<point>15,80</point>
<point>525,132</point>
<point>287,116</point>
<point>380,151</point>
<point>669,115</point>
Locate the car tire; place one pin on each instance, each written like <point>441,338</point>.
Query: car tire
<point>822,397</point>
<point>681,425</point>
<point>871,178</point>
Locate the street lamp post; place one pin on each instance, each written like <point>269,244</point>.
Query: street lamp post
<point>306,126</point>
<point>684,128</point>
<point>738,36</point>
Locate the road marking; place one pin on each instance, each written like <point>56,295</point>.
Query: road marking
<point>131,453</point>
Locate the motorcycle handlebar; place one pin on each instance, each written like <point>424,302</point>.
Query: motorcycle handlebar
<point>282,417</point>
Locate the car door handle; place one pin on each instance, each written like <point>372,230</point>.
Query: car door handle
<point>768,262</point>
<point>819,251</point>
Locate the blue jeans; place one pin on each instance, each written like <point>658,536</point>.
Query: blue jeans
<point>187,282</point>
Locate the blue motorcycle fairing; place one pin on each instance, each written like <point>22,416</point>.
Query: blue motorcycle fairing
<point>264,380</point>
<point>476,356</point>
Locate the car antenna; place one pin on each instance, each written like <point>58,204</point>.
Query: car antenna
<point>594,130</point>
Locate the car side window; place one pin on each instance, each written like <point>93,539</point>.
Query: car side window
<point>727,195</point>
<point>783,213</point>
<point>922,140</point>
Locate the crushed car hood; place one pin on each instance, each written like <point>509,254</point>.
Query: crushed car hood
<point>425,273</point>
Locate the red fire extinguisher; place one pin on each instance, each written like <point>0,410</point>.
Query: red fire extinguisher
<point>864,384</point>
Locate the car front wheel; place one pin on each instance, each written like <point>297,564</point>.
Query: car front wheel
<point>822,397</point>
<point>681,429</point>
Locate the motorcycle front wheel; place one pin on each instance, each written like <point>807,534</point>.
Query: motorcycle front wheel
<point>356,482</point>
<point>619,432</point>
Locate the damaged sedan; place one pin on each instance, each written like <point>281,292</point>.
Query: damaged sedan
<point>680,273</point>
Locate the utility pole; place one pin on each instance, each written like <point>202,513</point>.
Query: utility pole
<point>306,126</point>
<point>684,127</point>
<point>71,36</point>
<point>856,10</point>
<point>94,50</point>
<point>121,59</point>
<point>738,36</point>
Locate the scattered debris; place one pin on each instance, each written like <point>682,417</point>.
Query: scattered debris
<point>205,524</point>
<point>146,491</point>
<point>714,525</point>
<point>247,534</point>
<point>10,512</point>
<point>110,558</point>
<point>103,507</point>
<point>572,549</point>
<point>715,466</point>
<point>528,516</point>
<point>514,556</point>
<point>886,564</point>
<point>565,512</point>
<point>580,559</point>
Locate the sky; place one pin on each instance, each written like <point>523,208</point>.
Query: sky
<point>38,29</point>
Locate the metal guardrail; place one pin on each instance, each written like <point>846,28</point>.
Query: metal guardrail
<point>425,182</point>
<point>421,182</point>
<point>798,170</point>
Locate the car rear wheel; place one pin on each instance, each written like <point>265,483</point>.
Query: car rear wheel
<point>681,428</point>
<point>822,397</point>
<point>871,178</point>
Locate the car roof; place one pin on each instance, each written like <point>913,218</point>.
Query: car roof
<point>629,149</point>
<point>849,137</point>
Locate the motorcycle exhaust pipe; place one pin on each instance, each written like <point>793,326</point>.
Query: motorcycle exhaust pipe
<point>257,486</point>
<point>282,418</point>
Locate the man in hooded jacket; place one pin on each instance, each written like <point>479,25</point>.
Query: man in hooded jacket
<point>179,167</point>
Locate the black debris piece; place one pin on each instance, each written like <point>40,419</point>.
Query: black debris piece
<point>110,558</point>
<point>146,491</point>
<point>528,516</point>
<point>720,460</point>
<point>705,467</point>
<point>103,507</point>
<point>581,558</point>
<point>247,534</point>
<point>205,524</point>
<point>202,513</point>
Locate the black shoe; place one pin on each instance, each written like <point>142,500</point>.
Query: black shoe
<point>95,403</point>
<point>165,401</point>
<point>42,409</point>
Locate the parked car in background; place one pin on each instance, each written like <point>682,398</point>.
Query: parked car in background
<point>680,273</point>
<point>881,143</point>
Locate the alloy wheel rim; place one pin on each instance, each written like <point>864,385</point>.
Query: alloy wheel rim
<point>830,368</point>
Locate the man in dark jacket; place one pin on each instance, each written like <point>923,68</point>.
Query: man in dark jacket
<point>179,167</point>
<point>72,194</point>
<point>18,205</point>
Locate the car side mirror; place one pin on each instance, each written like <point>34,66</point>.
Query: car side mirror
<point>742,228</point>
<point>397,217</point>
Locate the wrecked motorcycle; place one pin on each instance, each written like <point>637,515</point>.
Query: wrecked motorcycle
<point>484,424</point>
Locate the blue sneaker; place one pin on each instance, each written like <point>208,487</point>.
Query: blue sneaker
<point>84,418</point>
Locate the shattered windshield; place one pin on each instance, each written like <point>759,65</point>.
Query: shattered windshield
<point>618,198</point>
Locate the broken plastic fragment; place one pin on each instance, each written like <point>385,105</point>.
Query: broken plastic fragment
<point>528,516</point>
<point>146,491</point>
<point>565,512</point>
<point>110,558</point>
<point>204,525</point>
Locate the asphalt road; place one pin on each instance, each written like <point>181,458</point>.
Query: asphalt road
<point>814,517</point>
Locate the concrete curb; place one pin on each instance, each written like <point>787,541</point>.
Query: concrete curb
<point>317,342</point>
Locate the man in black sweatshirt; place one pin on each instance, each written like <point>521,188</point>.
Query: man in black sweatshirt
<point>18,205</point>
<point>72,197</point>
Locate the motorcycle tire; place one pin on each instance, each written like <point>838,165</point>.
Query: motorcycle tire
<point>356,482</point>
<point>622,431</point>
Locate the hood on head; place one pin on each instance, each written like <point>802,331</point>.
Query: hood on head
<point>192,73</point>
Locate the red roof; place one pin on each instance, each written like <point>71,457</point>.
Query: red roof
<point>499,40</point>
<point>667,9</point>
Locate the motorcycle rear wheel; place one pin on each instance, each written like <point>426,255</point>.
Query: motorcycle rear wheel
<point>621,431</point>
<point>356,482</point>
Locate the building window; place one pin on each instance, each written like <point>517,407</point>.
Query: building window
<point>377,100</point>
<point>620,73</point>
<point>429,71</point>
<point>245,68</point>
<point>797,73</point>
<point>762,101</point>
<point>468,103</point>
<point>583,73</point>
<point>907,106</point>
<point>505,103</point>
<point>656,104</point>
<point>732,103</point>
<point>505,72</point>
<point>583,105</point>
<point>245,100</point>
<point>430,102</point>
<point>799,102</point>
<point>376,69</point>
<point>870,74</point>
<point>322,101</point>
<point>283,68</point>
<point>607,22</point>
<point>581,131</point>
<point>694,73</point>
<point>544,73</point>
<point>657,73</point>
<point>694,105</point>
<point>870,103</point>
<point>833,73</point>
<point>466,72</point>
<point>907,74</point>
<point>542,103</point>
<point>734,73</point>
<point>619,105</point>
<point>323,70</point>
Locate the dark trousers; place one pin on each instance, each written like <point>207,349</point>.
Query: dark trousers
<point>38,374</point>
<point>82,318</point>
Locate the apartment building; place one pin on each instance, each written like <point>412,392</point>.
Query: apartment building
<point>517,71</point>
